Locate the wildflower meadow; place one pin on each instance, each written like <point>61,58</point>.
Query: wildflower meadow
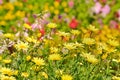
<point>59,40</point>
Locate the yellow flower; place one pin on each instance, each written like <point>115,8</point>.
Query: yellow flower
<point>67,77</point>
<point>66,9</point>
<point>60,33</point>
<point>6,71</point>
<point>45,75</point>
<point>38,61</point>
<point>9,6</point>
<point>13,54</point>
<point>51,8</point>
<point>20,14</point>
<point>56,4</point>
<point>0,58</point>
<point>75,32</point>
<point>7,61</point>
<point>46,7</point>
<point>56,11</point>
<point>53,50</point>
<point>30,6</point>
<point>90,58</point>
<point>113,43</point>
<point>9,16</point>
<point>27,26</point>
<point>28,58</point>
<point>24,74</point>
<point>104,56</point>
<point>31,39</point>
<point>22,46</point>
<point>9,35</point>
<point>115,78</point>
<point>52,25</point>
<point>3,77</point>
<point>92,28</point>
<point>55,57</point>
<point>88,41</point>
<point>19,4</point>
<point>78,44</point>
<point>3,23</point>
<point>59,72</point>
<point>69,46</point>
<point>64,4</point>
<point>16,72</point>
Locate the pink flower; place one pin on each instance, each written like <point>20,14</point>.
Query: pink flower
<point>71,3</point>
<point>1,1</point>
<point>105,10</point>
<point>36,26</point>
<point>113,24</point>
<point>97,8</point>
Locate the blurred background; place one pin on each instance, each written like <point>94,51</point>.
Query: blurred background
<point>13,13</point>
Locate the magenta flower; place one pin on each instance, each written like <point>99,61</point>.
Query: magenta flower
<point>105,10</point>
<point>97,8</point>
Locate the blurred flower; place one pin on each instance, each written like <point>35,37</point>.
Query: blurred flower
<point>64,4</point>
<point>6,71</point>
<point>7,61</point>
<point>88,41</point>
<point>9,35</point>
<point>54,57</point>
<point>53,50</point>
<point>56,4</point>
<point>104,56</point>
<point>78,44</point>
<point>38,61</point>
<point>1,1</point>
<point>27,26</point>
<point>9,16</point>
<point>92,28</point>
<point>69,46</point>
<point>28,58</point>
<point>97,8</point>
<point>105,10</point>
<point>90,58</point>
<point>56,11</point>
<point>19,4</point>
<point>71,3</point>
<point>0,58</point>
<point>66,77</point>
<point>42,32</point>
<point>113,43</point>
<point>21,46</point>
<point>113,24</point>
<point>4,77</point>
<point>52,25</point>
<point>24,74</point>
<point>115,78</point>
<point>20,14</point>
<point>73,24</point>
<point>45,75</point>
<point>3,23</point>
<point>75,32</point>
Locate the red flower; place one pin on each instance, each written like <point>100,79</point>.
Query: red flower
<point>42,31</point>
<point>73,24</point>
